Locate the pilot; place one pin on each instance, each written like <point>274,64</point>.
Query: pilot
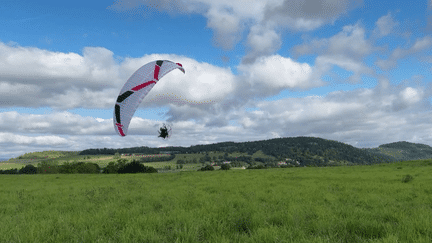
<point>164,132</point>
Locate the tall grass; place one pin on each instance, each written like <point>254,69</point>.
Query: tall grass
<point>337,204</point>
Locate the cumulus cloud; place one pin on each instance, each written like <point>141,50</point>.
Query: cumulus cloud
<point>308,14</point>
<point>272,74</point>
<point>226,25</point>
<point>350,42</point>
<point>385,25</point>
<point>34,64</point>
<point>347,115</point>
<point>266,77</point>
<point>346,49</point>
<point>55,123</point>
<point>11,139</point>
<point>418,48</point>
<point>32,77</point>
<point>204,90</point>
<point>204,83</point>
<point>262,19</point>
<point>262,41</point>
<point>406,98</point>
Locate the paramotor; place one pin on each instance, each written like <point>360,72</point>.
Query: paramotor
<point>136,88</point>
<point>164,132</point>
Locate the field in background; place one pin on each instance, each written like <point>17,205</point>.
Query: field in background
<point>103,160</point>
<point>379,203</point>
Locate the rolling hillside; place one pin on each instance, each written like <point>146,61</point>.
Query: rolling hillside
<point>307,151</point>
<point>403,151</point>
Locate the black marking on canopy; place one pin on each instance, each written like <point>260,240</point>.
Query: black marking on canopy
<point>117,113</point>
<point>123,96</point>
<point>159,63</point>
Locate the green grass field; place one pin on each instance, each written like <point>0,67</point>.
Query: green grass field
<point>377,203</point>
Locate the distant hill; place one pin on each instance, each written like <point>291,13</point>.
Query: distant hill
<point>308,151</point>
<point>47,154</point>
<point>403,151</point>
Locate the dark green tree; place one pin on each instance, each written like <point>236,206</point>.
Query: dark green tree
<point>28,169</point>
<point>205,168</point>
<point>225,167</point>
<point>48,167</point>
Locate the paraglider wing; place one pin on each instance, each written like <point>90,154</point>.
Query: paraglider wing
<point>136,88</point>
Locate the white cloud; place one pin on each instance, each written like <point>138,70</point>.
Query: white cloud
<point>204,83</point>
<point>346,49</point>
<point>418,48</point>
<point>261,18</point>
<point>351,42</point>
<point>54,123</point>
<point>262,41</point>
<point>385,25</point>
<point>11,139</point>
<point>33,64</point>
<point>227,27</point>
<point>407,98</point>
<point>346,116</point>
<point>411,95</point>
<point>272,74</point>
<point>67,81</point>
<point>34,77</point>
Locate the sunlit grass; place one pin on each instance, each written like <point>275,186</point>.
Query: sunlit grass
<point>8,166</point>
<point>333,204</point>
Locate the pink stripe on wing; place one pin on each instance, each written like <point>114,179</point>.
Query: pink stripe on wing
<point>120,129</point>
<point>136,88</point>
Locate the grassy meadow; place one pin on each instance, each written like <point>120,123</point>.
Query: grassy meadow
<point>379,203</point>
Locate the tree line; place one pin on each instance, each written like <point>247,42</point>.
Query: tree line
<point>52,167</point>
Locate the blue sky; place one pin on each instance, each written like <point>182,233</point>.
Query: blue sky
<point>354,71</point>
